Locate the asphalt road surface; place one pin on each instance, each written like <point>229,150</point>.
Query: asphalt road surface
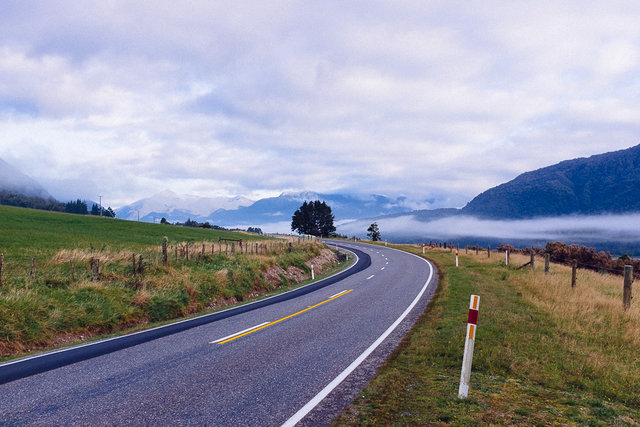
<point>296,361</point>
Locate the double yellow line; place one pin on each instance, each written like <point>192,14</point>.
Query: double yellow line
<point>256,329</point>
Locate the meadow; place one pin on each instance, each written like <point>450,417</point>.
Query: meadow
<point>545,354</point>
<point>65,299</point>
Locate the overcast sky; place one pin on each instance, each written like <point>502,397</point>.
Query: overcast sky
<point>436,101</point>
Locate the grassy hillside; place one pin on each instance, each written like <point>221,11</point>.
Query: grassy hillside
<point>63,302</point>
<point>27,233</point>
<point>545,354</point>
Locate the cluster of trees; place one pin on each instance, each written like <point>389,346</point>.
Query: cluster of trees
<point>586,257</point>
<point>78,206</point>
<point>10,198</point>
<point>314,219</point>
<point>190,223</point>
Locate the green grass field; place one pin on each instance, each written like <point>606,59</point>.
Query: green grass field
<point>545,354</point>
<point>62,302</point>
<point>26,233</point>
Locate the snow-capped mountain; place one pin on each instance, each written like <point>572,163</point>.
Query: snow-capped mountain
<point>240,211</point>
<point>175,207</point>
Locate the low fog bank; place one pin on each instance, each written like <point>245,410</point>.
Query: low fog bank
<point>615,233</point>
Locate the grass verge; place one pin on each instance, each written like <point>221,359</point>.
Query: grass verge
<point>62,302</point>
<point>544,355</point>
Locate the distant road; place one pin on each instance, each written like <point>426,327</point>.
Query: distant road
<point>302,359</point>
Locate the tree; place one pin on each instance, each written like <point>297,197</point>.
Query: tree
<point>373,232</point>
<point>313,218</point>
<point>164,221</point>
<point>77,207</point>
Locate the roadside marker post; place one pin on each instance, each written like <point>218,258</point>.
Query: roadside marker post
<point>313,276</point>
<point>472,326</point>
<point>456,258</point>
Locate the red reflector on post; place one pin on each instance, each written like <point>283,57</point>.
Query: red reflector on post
<point>473,317</point>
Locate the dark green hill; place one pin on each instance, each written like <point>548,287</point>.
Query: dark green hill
<point>604,183</point>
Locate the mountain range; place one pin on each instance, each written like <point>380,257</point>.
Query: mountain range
<point>232,212</point>
<point>604,183</point>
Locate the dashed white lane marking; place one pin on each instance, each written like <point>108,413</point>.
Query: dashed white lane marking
<point>373,275</point>
<point>344,374</point>
<point>238,333</point>
<point>382,268</point>
<point>339,293</point>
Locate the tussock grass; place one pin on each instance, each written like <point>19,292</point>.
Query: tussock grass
<point>545,354</point>
<point>58,307</point>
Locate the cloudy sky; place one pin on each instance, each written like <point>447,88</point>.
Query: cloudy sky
<point>433,100</point>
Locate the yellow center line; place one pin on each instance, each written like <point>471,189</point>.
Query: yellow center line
<point>285,318</point>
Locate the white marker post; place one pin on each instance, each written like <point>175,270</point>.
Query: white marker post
<point>313,276</point>
<point>472,325</point>
<point>456,258</point>
<point>423,249</point>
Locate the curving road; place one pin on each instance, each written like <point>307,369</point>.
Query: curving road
<point>295,361</point>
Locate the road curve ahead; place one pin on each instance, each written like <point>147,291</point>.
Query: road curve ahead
<point>298,361</point>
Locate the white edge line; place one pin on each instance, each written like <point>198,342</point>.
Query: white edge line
<point>302,412</point>
<point>62,350</point>
<point>238,333</point>
<point>339,293</point>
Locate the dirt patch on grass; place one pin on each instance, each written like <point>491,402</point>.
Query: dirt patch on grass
<point>323,262</point>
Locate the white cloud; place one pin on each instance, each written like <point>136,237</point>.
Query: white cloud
<point>436,101</point>
<point>610,228</point>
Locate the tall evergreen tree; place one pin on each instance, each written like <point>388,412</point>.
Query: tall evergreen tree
<point>313,218</point>
<point>77,207</point>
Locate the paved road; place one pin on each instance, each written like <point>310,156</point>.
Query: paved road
<point>225,373</point>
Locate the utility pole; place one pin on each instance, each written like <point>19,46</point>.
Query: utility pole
<point>100,205</point>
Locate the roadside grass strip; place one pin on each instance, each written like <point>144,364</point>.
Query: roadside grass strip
<point>544,354</point>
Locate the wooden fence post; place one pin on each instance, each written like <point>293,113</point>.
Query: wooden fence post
<point>165,261</point>
<point>32,274</point>
<point>477,249</point>
<point>140,264</point>
<point>488,251</point>
<point>187,251</point>
<point>626,293</point>
<point>1,262</point>
<point>546,263</point>
<point>203,250</point>
<point>574,268</point>
<point>533,258</point>
<point>176,248</point>
<point>73,271</point>
<point>94,267</point>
